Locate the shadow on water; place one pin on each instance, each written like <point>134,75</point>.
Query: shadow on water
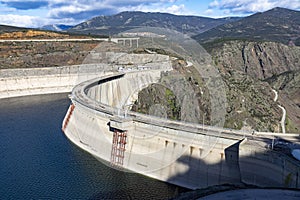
<point>136,186</point>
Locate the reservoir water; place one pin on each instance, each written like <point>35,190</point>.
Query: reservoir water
<point>39,162</point>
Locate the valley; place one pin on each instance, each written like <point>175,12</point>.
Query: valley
<point>249,65</point>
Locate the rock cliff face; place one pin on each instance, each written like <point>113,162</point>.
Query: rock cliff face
<point>180,95</point>
<point>250,70</point>
<point>288,85</point>
<point>257,59</point>
<point>266,65</point>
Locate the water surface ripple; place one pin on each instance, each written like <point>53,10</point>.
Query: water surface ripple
<point>39,162</point>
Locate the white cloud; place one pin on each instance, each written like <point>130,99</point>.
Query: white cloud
<point>21,20</point>
<point>251,6</point>
<point>209,12</point>
<point>28,12</point>
<point>76,11</point>
<point>176,9</point>
<point>70,9</point>
<point>80,8</point>
<point>31,21</point>
<point>173,9</point>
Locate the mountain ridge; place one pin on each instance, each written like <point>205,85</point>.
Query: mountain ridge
<point>56,27</point>
<point>123,21</point>
<point>278,24</point>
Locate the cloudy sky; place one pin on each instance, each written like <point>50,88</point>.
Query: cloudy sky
<point>35,13</point>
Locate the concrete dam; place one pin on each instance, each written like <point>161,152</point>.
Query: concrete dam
<point>34,81</point>
<point>99,121</point>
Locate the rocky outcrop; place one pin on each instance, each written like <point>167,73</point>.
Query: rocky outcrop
<point>158,100</point>
<point>257,59</point>
<point>250,104</point>
<point>265,65</point>
<point>288,85</point>
<point>181,94</point>
<point>249,71</point>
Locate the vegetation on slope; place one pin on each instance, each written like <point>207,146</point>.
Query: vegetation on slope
<point>279,25</point>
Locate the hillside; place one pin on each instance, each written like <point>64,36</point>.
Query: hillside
<point>40,54</point>
<point>114,24</point>
<point>250,99</point>
<point>264,64</point>
<point>7,29</point>
<point>43,54</point>
<point>260,60</point>
<point>16,33</point>
<point>279,25</point>
<point>30,34</point>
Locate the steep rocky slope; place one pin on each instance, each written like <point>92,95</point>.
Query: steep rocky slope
<point>265,65</point>
<point>288,85</point>
<point>250,70</point>
<point>181,94</point>
<point>257,59</point>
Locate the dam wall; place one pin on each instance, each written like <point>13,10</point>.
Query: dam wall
<point>189,155</point>
<point>260,166</point>
<point>123,92</point>
<point>33,81</point>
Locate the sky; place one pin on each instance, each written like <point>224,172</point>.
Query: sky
<point>36,13</point>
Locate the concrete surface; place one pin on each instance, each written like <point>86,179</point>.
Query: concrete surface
<point>189,155</point>
<point>33,81</point>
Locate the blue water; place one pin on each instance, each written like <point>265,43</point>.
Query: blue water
<point>39,162</point>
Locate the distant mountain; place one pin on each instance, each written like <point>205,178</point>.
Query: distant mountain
<point>278,24</point>
<point>7,29</point>
<point>56,27</point>
<point>114,24</point>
